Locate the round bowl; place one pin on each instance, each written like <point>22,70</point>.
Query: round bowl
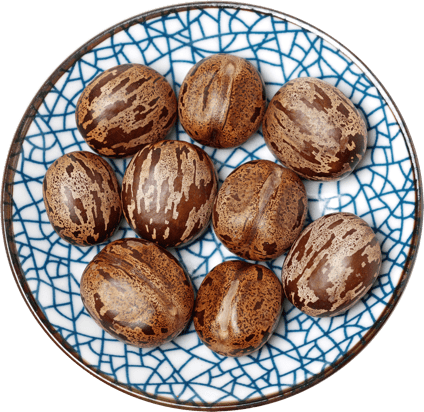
<point>385,190</point>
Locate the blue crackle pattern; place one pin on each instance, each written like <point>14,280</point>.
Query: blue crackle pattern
<point>381,191</point>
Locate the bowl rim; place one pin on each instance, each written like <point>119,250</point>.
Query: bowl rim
<point>7,208</point>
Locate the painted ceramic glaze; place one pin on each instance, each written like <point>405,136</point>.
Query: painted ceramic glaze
<point>384,190</point>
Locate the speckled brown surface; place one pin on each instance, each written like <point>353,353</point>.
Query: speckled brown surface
<point>137,291</point>
<point>124,108</point>
<point>14,247</point>
<point>260,210</point>
<point>237,308</point>
<point>332,265</point>
<point>222,101</point>
<point>82,198</point>
<point>312,128</point>
<point>168,192</point>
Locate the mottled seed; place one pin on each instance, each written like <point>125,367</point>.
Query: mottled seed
<point>260,210</point>
<point>237,308</point>
<point>222,101</point>
<point>313,129</point>
<point>82,198</point>
<point>168,192</point>
<point>332,265</point>
<point>137,292</point>
<point>125,108</point>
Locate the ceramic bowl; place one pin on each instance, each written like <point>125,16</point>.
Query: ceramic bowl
<point>385,190</point>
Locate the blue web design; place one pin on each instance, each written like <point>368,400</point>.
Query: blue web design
<point>381,191</point>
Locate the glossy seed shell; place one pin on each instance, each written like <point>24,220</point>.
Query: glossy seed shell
<point>260,210</point>
<point>222,101</point>
<point>237,308</point>
<point>125,108</point>
<point>82,198</point>
<point>332,265</point>
<point>313,129</point>
<point>168,192</point>
<point>137,292</point>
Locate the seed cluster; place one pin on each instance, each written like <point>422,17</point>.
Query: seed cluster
<point>134,288</point>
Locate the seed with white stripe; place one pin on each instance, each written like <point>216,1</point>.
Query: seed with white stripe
<point>168,192</point>
<point>332,265</point>
<point>125,108</point>
<point>237,308</point>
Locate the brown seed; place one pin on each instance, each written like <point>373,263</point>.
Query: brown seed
<point>222,101</point>
<point>82,198</point>
<point>332,265</point>
<point>168,192</point>
<point>237,308</point>
<point>137,292</point>
<point>313,129</point>
<point>125,108</point>
<point>260,210</point>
